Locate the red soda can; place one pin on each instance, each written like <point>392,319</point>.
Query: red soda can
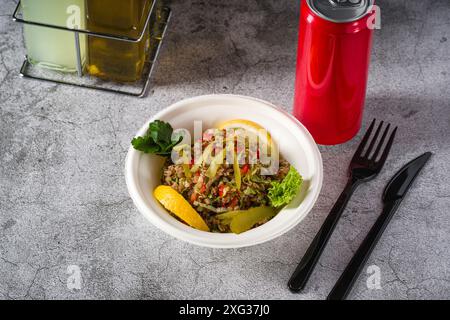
<point>335,40</point>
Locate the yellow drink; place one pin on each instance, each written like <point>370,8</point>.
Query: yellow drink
<point>113,59</point>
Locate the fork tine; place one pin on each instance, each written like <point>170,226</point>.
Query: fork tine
<point>374,140</point>
<point>380,144</point>
<point>363,143</point>
<point>385,153</point>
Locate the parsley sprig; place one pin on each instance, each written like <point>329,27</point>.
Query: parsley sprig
<point>158,139</point>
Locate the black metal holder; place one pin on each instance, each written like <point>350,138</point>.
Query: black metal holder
<point>158,19</point>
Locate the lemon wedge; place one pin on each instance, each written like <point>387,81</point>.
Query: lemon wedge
<point>248,126</point>
<point>175,203</point>
<point>252,128</point>
<point>239,123</point>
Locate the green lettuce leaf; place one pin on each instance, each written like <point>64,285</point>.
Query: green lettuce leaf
<point>281,193</point>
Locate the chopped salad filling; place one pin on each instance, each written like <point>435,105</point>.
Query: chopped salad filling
<point>231,187</point>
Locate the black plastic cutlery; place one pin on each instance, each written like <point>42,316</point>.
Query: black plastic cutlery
<point>364,166</point>
<point>393,195</point>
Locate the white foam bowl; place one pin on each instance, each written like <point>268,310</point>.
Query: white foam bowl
<point>143,172</point>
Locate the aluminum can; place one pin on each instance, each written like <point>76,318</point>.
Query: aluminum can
<point>334,45</point>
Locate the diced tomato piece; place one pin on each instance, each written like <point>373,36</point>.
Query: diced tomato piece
<point>203,189</point>
<point>245,168</point>
<point>194,196</point>
<point>221,187</point>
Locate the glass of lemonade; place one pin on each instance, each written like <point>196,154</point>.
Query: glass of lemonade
<point>51,48</point>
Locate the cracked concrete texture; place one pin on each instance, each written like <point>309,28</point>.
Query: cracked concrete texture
<point>63,199</point>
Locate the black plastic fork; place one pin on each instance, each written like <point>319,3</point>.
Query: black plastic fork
<point>363,167</point>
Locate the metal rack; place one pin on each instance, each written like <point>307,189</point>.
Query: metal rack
<point>157,18</point>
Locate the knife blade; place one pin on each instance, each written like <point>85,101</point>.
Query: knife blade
<point>393,194</point>
<point>401,182</point>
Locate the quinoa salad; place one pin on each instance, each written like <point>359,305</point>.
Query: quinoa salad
<point>221,196</point>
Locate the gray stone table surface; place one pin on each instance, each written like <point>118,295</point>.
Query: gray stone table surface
<point>63,199</point>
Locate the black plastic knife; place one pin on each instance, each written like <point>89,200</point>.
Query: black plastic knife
<point>393,195</point>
